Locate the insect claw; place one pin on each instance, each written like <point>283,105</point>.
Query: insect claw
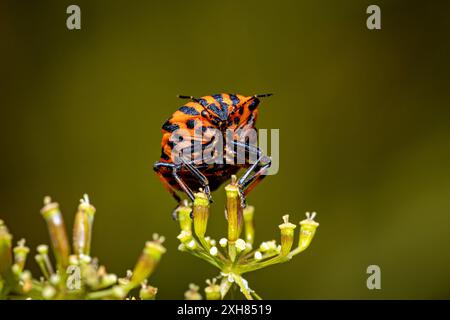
<point>242,197</point>
<point>208,194</point>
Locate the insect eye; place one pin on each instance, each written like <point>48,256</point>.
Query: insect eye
<point>204,114</point>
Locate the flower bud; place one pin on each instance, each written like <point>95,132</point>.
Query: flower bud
<point>48,292</point>
<point>148,292</point>
<point>234,210</point>
<point>213,251</point>
<point>84,259</point>
<point>223,242</point>
<point>42,249</point>
<point>248,213</point>
<point>108,280</point>
<point>307,230</point>
<point>212,291</point>
<point>192,293</point>
<point>258,255</point>
<point>147,261</point>
<point>73,260</point>
<point>268,246</point>
<point>184,217</point>
<point>241,245</point>
<point>44,261</point>
<point>80,233</point>
<point>20,254</point>
<point>55,279</point>
<point>201,214</point>
<point>26,281</point>
<point>192,244</point>
<point>287,235</point>
<point>90,276</point>
<point>82,227</point>
<point>185,237</point>
<point>57,231</point>
<point>5,250</point>
<point>210,241</point>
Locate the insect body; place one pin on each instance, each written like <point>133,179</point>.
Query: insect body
<point>191,129</point>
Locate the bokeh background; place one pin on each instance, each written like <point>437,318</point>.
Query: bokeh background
<point>364,119</point>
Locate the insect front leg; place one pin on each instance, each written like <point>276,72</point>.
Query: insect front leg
<point>249,184</point>
<point>248,181</point>
<point>182,184</point>
<point>200,176</point>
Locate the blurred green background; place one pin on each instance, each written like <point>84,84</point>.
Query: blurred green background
<point>364,123</point>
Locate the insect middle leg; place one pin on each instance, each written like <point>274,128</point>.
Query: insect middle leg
<point>157,168</point>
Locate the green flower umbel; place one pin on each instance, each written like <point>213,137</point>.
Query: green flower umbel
<point>232,255</point>
<point>77,275</point>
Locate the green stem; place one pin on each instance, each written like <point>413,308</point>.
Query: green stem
<point>232,251</point>
<point>203,255</point>
<point>295,252</point>
<point>257,296</point>
<point>263,264</point>
<point>221,259</point>
<point>241,285</point>
<point>100,294</point>
<point>249,256</point>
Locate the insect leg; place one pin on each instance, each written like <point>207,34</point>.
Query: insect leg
<point>246,183</point>
<point>254,180</point>
<point>175,175</point>
<point>157,167</point>
<point>200,176</point>
<point>182,184</point>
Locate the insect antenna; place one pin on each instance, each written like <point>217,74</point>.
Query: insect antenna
<point>264,95</point>
<point>187,97</point>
